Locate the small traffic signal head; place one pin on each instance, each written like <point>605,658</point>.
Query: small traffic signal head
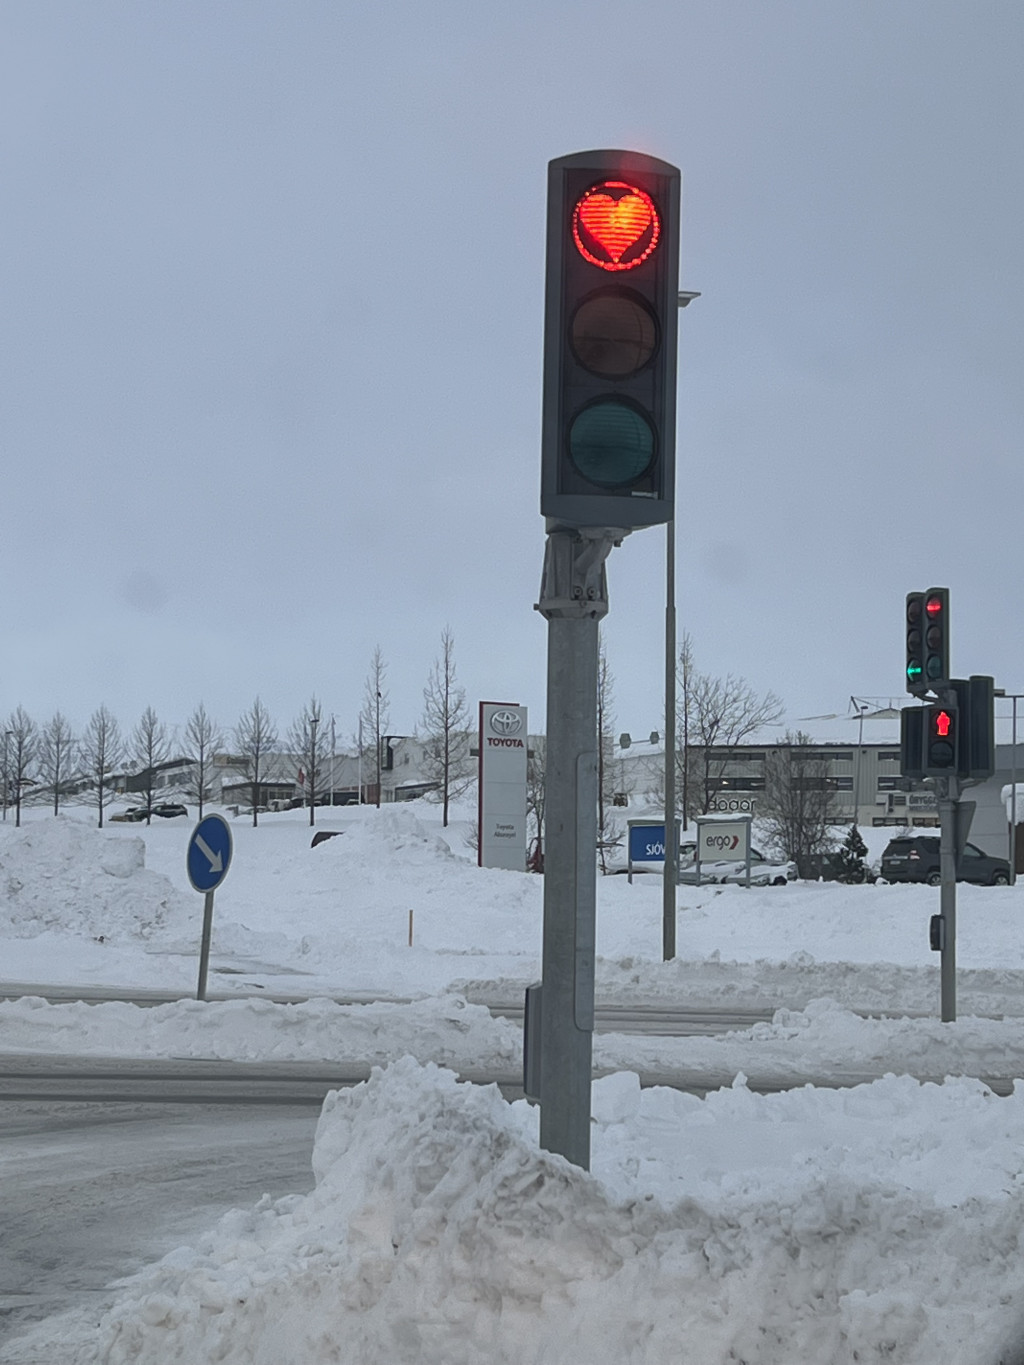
<point>936,636</point>
<point>610,340</point>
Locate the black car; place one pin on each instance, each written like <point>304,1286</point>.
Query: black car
<point>916,859</point>
<point>168,810</point>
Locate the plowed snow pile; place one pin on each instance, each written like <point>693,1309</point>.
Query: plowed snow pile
<point>63,877</point>
<point>438,1234</point>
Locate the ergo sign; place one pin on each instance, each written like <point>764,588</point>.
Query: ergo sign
<point>723,840</point>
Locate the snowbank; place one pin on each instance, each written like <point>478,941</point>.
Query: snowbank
<point>730,1229</point>
<point>58,876</point>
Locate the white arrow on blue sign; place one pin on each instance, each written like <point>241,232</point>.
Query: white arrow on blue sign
<point>209,853</point>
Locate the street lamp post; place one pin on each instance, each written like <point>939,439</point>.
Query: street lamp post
<point>860,707</point>
<point>7,736</point>
<point>1014,697</point>
<point>314,721</point>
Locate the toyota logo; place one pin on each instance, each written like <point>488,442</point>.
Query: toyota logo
<point>506,722</point>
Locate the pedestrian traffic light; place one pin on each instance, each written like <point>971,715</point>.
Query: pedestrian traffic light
<point>915,644</point>
<point>935,613</point>
<point>611,304</point>
<point>941,737</point>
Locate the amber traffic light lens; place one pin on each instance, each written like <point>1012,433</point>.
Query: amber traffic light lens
<point>613,335</point>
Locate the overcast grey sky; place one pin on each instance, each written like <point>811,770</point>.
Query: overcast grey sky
<point>271,291</point>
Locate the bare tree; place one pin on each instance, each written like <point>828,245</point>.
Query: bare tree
<point>717,715</point>
<point>375,717</point>
<point>203,737</point>
<point>56,756</point>
<point>304,739</point>
<point>799,800</point>
<point>536,771</point>
<point>446,758</point>
<point>21,742</point>
<point>605,754</point>
<point>149,748</point>
<point>102,750</point>
<point>255,740</point>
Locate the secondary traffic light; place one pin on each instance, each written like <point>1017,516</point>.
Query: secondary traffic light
<point>936,635</point>
<point>915,643</point>
<point>927,633</point>
<point>941,740</point>
<point>611,305</point>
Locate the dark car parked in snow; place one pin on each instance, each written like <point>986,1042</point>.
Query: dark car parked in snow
<point>915,858</point>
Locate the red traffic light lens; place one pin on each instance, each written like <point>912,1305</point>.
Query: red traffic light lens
<point>615,225</point>
<point>933,606</point>
<point>943,724</point>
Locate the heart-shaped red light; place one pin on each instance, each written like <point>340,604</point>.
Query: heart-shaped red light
<point>616,225</point>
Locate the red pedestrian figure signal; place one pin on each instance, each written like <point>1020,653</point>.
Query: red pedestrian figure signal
<point>942,724</point>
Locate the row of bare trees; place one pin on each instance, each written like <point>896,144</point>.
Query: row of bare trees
<point>51,762</point>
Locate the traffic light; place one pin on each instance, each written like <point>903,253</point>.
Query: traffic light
<point>915,643</point>
<point>936,636</point>
<point>611,304</point>
<point>941,740</point>
<point>911,741</point>
<point>976,705</point>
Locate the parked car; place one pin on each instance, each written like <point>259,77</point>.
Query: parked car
<point>915,858</point>
<point>763,871</point>
<point>130,815</point>
<point>168,810</point>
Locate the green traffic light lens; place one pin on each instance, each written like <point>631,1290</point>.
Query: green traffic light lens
<point>914,672</point>
<point>934,667</point>
<point>611,443</point>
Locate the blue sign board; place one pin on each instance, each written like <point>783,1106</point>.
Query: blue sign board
<point>209,853</point>
<point>646,843</point>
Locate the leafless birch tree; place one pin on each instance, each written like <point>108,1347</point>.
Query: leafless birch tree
<point>374,718</point>
<point>203,737</point>
<point>56,756</point>
<point>304,738</point>
<point>446,726</point>
<point>102,750</point>
<point>149,748</point>
<point>255,741</point>
<point>21,742</point>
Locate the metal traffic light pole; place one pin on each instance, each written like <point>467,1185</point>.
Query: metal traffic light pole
<point>573,599</point>
<point>947,794</point>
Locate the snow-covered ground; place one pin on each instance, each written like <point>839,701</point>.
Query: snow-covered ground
<point>880,1222</point>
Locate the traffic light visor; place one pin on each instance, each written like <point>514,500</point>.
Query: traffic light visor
<point>615,225</point>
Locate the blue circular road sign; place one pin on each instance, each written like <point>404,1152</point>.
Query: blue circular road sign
<point>209,853</point>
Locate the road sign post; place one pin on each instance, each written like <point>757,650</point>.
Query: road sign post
<point>207,859</point>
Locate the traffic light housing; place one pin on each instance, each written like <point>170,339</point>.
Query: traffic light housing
<point>976,703</point>
<point>610,326</point>
<point>927,636</point>
<point>911,742</point>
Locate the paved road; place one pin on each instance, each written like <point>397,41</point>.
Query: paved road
<point>661,1020</point>
<point>93,1192</point>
